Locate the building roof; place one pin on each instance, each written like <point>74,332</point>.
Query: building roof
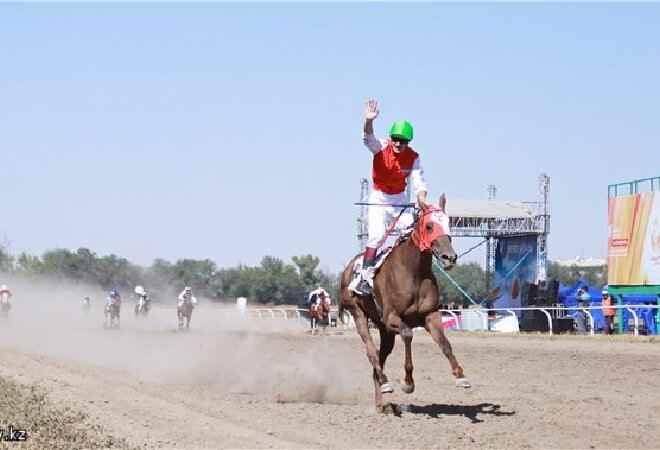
<point>492,209</point>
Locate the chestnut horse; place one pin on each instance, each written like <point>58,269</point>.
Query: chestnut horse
<point>184,311</point>
<point>319,312</point>
<point>405,297</point>
<point>111,312</point>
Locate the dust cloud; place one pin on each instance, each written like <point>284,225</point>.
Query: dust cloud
<point>235,354</point>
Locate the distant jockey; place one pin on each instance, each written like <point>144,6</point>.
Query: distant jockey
<point>5,294</point>
<point>113,299</point>
<point>395,164</point>
<point>186,294</point>
<point>142,297</point>
<point>316,294</point>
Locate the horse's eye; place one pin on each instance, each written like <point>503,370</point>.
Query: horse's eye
<point>429,227</point>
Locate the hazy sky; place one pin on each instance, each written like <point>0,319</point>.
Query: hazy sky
<point>233,131</point>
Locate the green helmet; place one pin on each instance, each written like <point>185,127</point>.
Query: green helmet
<point>402,129</point>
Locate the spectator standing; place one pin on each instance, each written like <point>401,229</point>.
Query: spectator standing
<point>608,311</point>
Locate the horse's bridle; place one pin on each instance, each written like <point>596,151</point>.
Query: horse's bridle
<point>416,235</point>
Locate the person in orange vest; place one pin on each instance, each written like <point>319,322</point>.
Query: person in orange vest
<point>608,312</point>
<point>395,164</point>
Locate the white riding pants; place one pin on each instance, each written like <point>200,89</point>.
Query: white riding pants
<point>380,217</point>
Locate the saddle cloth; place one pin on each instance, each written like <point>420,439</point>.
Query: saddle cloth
<point>383,252</point>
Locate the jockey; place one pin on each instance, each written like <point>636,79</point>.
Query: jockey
<point>395,164</point>
<point>5,294</point>
<point>186,294</point>
<point>324,298</point>
<point>142,295</point>
<point>113,298</point>
<point>316,294</point>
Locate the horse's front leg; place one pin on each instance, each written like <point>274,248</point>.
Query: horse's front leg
<point>408,385</point>
<point>362,327</point>
<point>433,325</point>
<point>386,346</point>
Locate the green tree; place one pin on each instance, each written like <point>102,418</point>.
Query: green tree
<point>6,259</point>
<point>277,282</point>
<point>272,281</point>
<point>470,277</point>
<point>568,275</point>
<point>62,262</point>
<point>198,274</point>
<point>29,264</point>
<point>307,268</point>
<point>113,271</point>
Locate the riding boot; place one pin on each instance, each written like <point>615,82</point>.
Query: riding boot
<point>365,286</point>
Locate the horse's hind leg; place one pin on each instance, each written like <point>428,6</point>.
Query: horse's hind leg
<point>408,385</point>
<point>386,346</point>
<point>434,326</point>
<point>362,327</point>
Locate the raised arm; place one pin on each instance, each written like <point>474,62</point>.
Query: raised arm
<point>370,114</point>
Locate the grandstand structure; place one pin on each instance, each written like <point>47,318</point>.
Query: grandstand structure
<point>489,219</point>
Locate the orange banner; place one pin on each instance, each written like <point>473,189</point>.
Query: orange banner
<point>633,246</point>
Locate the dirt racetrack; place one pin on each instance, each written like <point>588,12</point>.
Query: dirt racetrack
<point>234,384</point>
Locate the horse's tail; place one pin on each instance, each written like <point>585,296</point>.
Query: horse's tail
<point>343,282</point>
<point>340,300</point>
<point>340,312</point>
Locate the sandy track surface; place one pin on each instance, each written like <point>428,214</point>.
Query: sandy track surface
<point>233,384</point>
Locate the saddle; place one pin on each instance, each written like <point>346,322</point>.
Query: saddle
<point>381,257</point>
<point>382,253</point>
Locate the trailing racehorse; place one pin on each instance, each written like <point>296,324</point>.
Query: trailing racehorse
<point>319,312</point>
<point>5,305</point>
<point>142,306</point>
<point>112,314</point>
<point>184,311</point>
<point>405,297</point>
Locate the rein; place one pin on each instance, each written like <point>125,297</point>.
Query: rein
<point>456,285</point>
<point>392,225</point>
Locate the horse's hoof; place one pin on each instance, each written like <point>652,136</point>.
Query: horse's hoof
<point>407,388</point>
<point>463,383</point>
<point>391,408</point>
<point>386,388</point>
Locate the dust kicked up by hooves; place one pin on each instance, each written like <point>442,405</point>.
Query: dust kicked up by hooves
<point>222,348</point>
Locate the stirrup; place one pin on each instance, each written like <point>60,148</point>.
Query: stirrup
<point>364,288</point>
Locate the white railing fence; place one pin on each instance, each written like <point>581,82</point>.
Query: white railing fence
<point>559,311</point>
<point>551,312</point>
<point>296,314</point>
